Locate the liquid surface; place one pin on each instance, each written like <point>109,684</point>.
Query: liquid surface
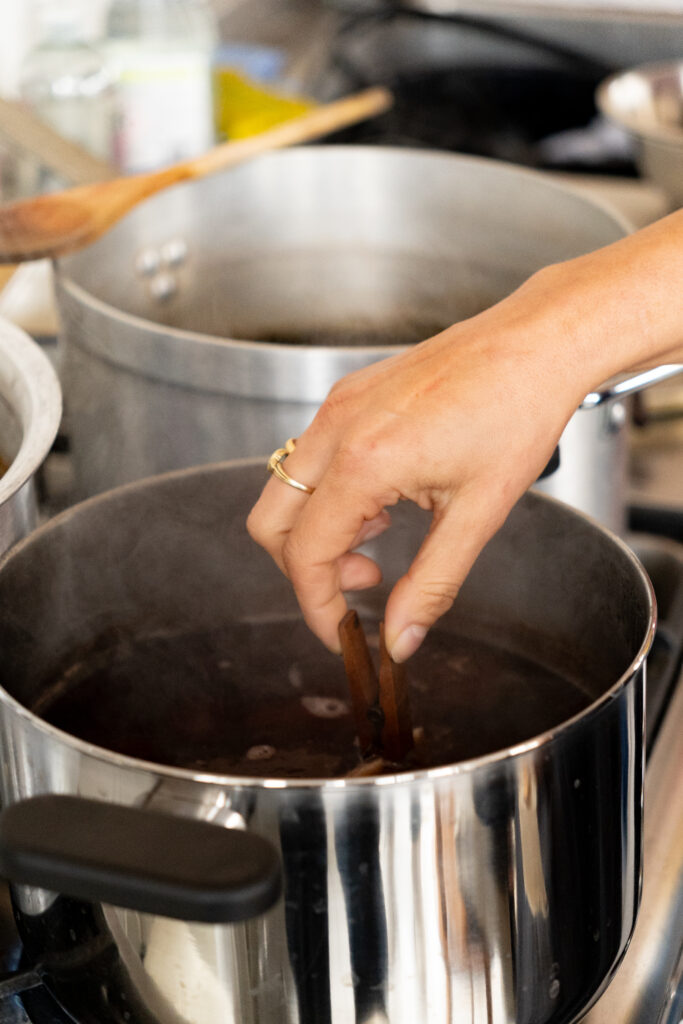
<point>318,295</point>
<point>265,699</point>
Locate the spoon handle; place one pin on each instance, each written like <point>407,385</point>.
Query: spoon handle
<point>313,124</point>
<point>59,222</point>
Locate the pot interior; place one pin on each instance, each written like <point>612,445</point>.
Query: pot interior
<point>10,435</point>
<point>262,698</point>
<point>352,246</point>
<point>321,295</point>
<point>147,622</point>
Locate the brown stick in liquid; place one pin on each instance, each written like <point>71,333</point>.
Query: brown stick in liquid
<point>362,677</point>
<point>397,730</point>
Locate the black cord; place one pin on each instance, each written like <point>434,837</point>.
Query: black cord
<point>19,981</point>
<point>508,32</point>
<point>568,55</point>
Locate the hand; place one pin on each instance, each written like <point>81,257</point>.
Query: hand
<point>460,424</point>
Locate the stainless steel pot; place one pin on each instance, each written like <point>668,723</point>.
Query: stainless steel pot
<point>171,320</point>
<point>495,889</point>
<point>30,411</point>
<point>593,467</point>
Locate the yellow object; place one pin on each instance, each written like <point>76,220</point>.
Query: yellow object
<point>243,108</point>
<point>5,274</point>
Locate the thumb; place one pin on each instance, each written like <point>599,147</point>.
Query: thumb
<point>436,574</point>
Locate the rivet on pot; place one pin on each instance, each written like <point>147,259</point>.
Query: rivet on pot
<point>163,286</point>
<point>174,252</point>
<point>616,417</point>
<point>147,262</point>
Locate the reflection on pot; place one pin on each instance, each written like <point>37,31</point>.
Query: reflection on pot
<point>499,888</point>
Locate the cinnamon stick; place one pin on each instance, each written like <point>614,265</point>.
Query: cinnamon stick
<point>362,677</point>
<point>397,728</point>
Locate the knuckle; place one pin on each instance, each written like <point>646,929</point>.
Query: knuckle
<point>261,530</point>
<point>324,419</point>
<point>336,393</point>
<point>437,596</point>
<point>255,526</point>
<point>293,558</point>
<point>493,505</point>
<point>366,446</point>
<point>335,407</point>
<point>351,459</point>
<point>363,478</point>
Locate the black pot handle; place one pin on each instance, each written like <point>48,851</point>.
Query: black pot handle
<point>143,860</point>
<point>552,464</point>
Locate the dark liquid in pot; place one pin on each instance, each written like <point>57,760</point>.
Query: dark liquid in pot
<point>353,337</point>
<point>265,699</point>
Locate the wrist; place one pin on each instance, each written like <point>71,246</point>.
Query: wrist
<point>619,308</point>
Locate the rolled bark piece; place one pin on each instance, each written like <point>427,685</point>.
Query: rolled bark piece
<point>397,728</point>
<point>362,677</point>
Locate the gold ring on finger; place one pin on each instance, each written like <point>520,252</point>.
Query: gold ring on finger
<point>275,467</point>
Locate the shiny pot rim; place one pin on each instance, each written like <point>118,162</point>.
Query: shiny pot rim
<point>141,342</point>
<point>225,781</point>
<point>29,385</point>
<point>498,168</point>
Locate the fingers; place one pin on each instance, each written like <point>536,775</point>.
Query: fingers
<point>316,552</point>
<point>357,572</point>
<point>315,549</point>
<point>436,574</point>
<point>372,528</point>
<point>312,539</point>
<point>279,506</point>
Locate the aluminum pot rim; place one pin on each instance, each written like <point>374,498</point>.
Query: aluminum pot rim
<point>226,781</point>
<point>43,396</point>
<point>299,352</point>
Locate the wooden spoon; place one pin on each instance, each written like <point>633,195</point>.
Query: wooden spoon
<point>59,222</point>
<point>24,131</point>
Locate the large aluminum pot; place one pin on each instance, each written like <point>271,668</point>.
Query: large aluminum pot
<point>212,322</point>
<point>30,412</point>
<point>498,888</point>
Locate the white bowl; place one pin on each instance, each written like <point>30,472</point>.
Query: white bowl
<point>647,102</point>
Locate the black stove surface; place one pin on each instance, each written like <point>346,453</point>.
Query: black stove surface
<point>35,1006</point>
<point>27,1005</point>
<point>537,117</point>
<point>535,106</point>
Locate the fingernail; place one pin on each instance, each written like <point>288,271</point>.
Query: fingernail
<point>407,643</point>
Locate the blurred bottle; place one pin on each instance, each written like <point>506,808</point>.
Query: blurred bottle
<point>160,54</point>
<point>66,82</point>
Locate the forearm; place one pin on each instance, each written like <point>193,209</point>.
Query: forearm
<point>619,308</point>
<point>462,424</point>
